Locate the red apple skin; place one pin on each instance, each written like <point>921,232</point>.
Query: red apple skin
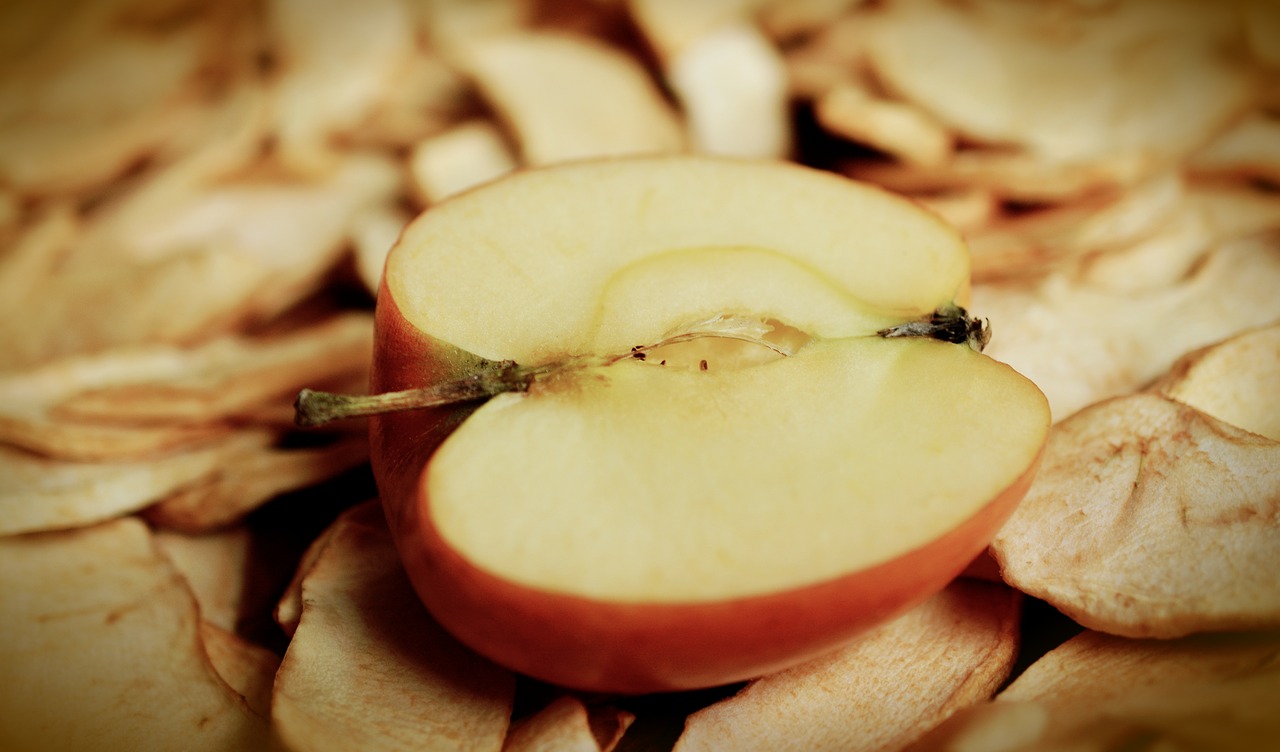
<point>617,647</point>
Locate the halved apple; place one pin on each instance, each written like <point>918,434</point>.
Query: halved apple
<point>718,455</point>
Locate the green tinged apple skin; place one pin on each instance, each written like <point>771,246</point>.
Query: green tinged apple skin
<point>620,647</point>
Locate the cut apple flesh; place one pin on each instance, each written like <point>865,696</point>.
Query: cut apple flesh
<point>520,271</point>
<point>719,467</point>
<point>638,482</point>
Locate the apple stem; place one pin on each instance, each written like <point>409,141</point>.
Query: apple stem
<point>313,408</point>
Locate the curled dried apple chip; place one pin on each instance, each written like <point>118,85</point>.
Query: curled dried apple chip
<point>103,649</point>
<point>714,392</point>
<point>1150,518</point>
<point>1251,148</point>
<point>1069,84</point>
<point>729,79</point>
<point>193,260</point>
<point>1082,341</point>
<point>1013,175</point>
<point>892,127</point>
<point>967,210</point>
<point>336,60</point>
<point>570,97</point>
<point>567,724</point>
<point>787,20</point>
<point>1040,240</point>
<point>732,85</point>
<point>247,668</point>
<point>96,97</point>
<point>367,668</point>
<point>218,568</point>
<point>460,158</point>
<point>142,401</point>
<point>1099,692</point>
<point>373,232</point>
<point>40,493</point>
<point>237,489</point>
<point>224,379</point>
<point>882,690</point>
<point>1233,380</point>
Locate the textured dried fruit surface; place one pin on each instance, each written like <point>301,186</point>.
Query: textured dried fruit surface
<point>1099,692</point>
<point>880,691</point>
<point>189,193</point>
<point>367,667</point>
<point>109,611</point>
<point>1150,519</point>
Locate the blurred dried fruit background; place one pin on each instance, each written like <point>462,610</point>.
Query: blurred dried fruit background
<point>195,202</point>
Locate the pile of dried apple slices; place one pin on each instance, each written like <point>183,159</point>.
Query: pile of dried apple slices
<point>736,415</point>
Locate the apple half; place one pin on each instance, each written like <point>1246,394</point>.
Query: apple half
<point>713,460</point>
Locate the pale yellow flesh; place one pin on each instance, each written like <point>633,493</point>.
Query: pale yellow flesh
<point>520,269</point>
<point>642,482</point>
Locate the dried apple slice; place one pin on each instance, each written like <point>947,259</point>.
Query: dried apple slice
<point>567,724</point>
<point>1098,692</point>
<point>288,610</point>
<point>227,378</point>
<point>29,262</point>
<point>1233,380</point>
<point>373,232</point>
<point>834,55</point>
<point>336,60</point>
<point>736,501</point>
<point>472,153</point>
<point>1093,668</point>
<point>46,494</point>
<point>968,210</point>
<point>1013,175</point>
<point>1163,484</point>
<point>247,668</point>
<point>368,669</point>
<point>670,26</point>
<point>1006,73</point>
<point>216,567</point>
<point>732,86</point>
<point>102,649</point>
<point>1207,215</point>
<point>142,401</point>
<point>451,23</point>
<point>1039,240</point>
<point>1262,23</point>
<point>237,489</point>
<point>882,690</point>
<point>895,128</point>
<point>28,400</point>
<point>1250,148</point>
<point>569,97</point>
<point>728,77</point>
<point>82,108</point>
<point>1082,342</point>
<point>427,97</point>
<point>787,20</point>
<point>195,263</point>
